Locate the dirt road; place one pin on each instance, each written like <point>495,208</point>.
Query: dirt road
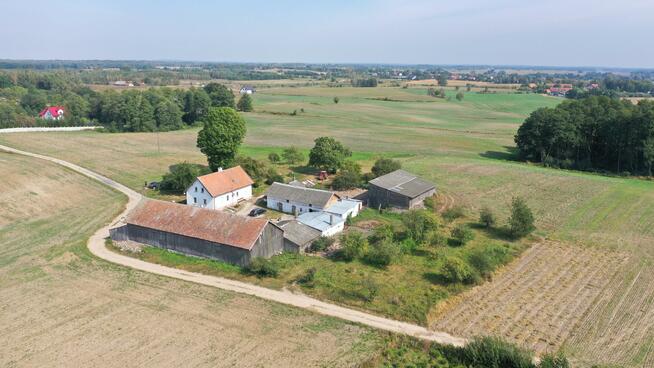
<point>96,245</point>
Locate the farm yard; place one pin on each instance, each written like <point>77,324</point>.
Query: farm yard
<point>598,228</point>
<point>63,307</point>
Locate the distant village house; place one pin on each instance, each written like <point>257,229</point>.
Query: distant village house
<point>52,113</point>
<point>247,90</point>
<point>220,189</point>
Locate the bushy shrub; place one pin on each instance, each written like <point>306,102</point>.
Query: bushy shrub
<point>381,233</point>
<point>437,239</point>
<point>292,155</point>
<point>521,222</point>
<point>486,260</point>
<point>348,177</point>
<point>554,361</point>
<point>453,213</point>
<point>491,352</point>
<point>431,203</point>
<point>487,217</point>
<point>308,278</point>
<point>382,253</point>
<point>274,157</point>
<point>181,176</point>
<point>262,267</point>
<point>419,224</point>
<point>384,166</point>
<point>321,244</point>
<point>456,270</point>
<point>462,234</point>
<point>353,245</point>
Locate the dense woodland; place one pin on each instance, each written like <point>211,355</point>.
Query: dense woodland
<point>595,133</point>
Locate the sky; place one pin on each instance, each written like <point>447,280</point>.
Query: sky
<point>493,32</point>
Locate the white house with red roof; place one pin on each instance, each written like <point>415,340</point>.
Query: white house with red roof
<point>52,113</point>
<point>220,189</point>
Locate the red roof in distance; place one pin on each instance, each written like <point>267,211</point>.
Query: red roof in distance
<point>54,111</point>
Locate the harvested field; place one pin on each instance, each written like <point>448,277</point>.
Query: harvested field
<point>538,299</point>
<point>619,329</point>
<point>61,307</point>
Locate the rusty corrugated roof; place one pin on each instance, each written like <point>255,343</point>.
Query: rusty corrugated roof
<point>215,226</point>
<point>229,180</point>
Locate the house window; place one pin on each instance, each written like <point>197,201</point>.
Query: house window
<point>310,205</point>
<point>196,189</point>
<point>287,201</point>
<point>205,201</point>
<point>202,190</point>
<point>195,199</point>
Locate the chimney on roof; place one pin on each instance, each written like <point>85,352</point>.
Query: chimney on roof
<point>220,169</point>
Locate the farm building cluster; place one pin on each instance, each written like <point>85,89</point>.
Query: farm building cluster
<point>204,227</point>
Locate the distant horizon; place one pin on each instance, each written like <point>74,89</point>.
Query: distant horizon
<point>344,63</point>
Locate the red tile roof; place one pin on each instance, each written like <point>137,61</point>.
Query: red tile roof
<point>225,181</point>
<point>200,223</point>
<point>54,111</point>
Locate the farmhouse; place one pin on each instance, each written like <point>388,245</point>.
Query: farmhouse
<point>247,90</point>
<point>220,189</point>
<point>399,189</point>
<point>326,223</point>
<point>298,236</point>
<point>52,113</point>
<point>200,232</point>
<point>297,200</point>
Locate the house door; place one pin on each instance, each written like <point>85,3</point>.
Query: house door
<point>294,210</point>
<point>280,207</point>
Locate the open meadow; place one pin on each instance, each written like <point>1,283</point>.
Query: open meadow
<point>465,148</point>
<point>60,306</point>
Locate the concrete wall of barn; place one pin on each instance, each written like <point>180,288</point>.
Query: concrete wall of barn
<point>417,201</point>
<point>270,242</point>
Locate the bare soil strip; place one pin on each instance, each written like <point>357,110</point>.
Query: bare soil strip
<point>538,300</point>
<point>97,247</point>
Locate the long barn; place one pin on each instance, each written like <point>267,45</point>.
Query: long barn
<point>200,232</point>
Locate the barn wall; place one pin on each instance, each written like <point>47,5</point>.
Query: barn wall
<point>273,203</point>
<point>119,233</point>
<point>417,201</point>
<point>270,243</point>
<point>188,245</point>
<point>386,198</point>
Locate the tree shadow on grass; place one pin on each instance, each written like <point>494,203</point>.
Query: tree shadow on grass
<point>496,233</point>
<point>436,278</point>
<point>511,154</point>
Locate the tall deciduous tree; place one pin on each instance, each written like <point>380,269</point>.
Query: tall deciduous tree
<point>220,95</point>
<point>245,103</point>
<point>521,222</point>
<point>328,154</point>
<point>221,136</point>
<point>168,116</point>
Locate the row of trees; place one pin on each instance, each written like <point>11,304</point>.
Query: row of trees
<point>596,133</point>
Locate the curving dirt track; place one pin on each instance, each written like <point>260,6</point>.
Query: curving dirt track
<point>96,245</point>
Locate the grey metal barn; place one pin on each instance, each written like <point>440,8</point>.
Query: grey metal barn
<point>399,189</point>
<point>200,232</point>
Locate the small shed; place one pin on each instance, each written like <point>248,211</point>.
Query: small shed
<point>345,208</point>
<point>200,232</point>
<point>298,200</point>
<point>298,236</point>
<point>399,189</point>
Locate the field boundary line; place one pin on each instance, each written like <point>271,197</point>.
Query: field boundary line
<point>96,245</point>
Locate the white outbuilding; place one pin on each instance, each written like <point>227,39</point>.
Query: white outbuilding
<point>298,200</point>
<point>220,189</point>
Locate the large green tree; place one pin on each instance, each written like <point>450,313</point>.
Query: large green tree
<point>196,105</point>
<point>384,166</point>
<point>328,154</point>
<point>220,95</point>
<point>221,136</point>
<point>168,116</point>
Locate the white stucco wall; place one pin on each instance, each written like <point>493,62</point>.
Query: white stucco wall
<point>287,207</point>
<point>196,195</point>
<point>334,229</point>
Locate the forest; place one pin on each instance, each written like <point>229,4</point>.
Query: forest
<point>596,133</point>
